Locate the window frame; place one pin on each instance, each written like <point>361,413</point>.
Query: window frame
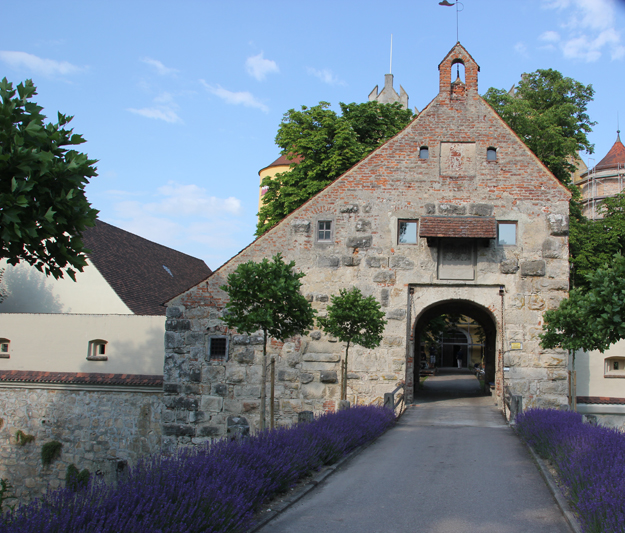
<point>97,350</point>
<point>5,354</point>
<point>407,221</point>
<point>330,240</point>
<point>609,371</point>
<point>213,357</point>
<point>516,231</point>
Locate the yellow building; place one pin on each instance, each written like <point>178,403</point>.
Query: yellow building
<point>282,164</point>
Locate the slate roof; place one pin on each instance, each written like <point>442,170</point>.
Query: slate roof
<point>600,400</point>
<point>614,157</point>
<point>80,378</point>
<point>465,227</point>
<point>142,273</point>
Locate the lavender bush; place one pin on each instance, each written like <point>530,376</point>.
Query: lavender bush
<point>590,461</point>
<point>214,488</point>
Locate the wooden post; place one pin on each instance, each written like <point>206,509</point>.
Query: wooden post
<point>272,393</point>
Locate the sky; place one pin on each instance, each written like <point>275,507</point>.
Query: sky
<point>180,101</point>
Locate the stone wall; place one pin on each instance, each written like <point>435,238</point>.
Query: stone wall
<point>456,181</point>
<point>100,430</point>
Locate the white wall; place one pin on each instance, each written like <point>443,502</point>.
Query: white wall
<point>591,380</point>
<point>30,291</point>
<point>60,342</point>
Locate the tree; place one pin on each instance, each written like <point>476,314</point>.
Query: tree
<point>326,145</point>
<point>266,296</point>
<point>43,207</point>
<point>591,319</point>
<point>548,112</point>
<point>353,319</point>
<point>594,243</point>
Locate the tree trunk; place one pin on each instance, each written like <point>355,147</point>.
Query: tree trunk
<point>263,383</point>
<point>344,376</point>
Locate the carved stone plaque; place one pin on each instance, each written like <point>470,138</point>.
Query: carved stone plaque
<point>456,259</point>
<point>457,159</point>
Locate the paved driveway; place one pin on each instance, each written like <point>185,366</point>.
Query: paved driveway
<point>451,465</point>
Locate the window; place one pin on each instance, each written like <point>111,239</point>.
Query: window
<point>324,231</point>
<point>4,348</point>
<point>615,367</point>
<point>218,348</point>
<point>97,350</point>
<point>407,232</point>
<point>506,233</point>
<point>424,153</point>
<point>491,154</point>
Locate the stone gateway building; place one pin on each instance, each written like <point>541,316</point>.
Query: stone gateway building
<point>453,214</point>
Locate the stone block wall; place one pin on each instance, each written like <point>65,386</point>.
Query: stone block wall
<point>102,431</point>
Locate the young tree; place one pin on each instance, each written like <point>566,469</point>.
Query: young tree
<point>353,319</point>
<point>43,207</point>
<point>591,319</point>
<point>326,145</point>
<point>266,296</point>
<point>548,112</point>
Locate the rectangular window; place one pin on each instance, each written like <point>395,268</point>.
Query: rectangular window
<point>407,232</point>
<point>324,231</point>
<point>506,233</point>
<point>218,348</point>
<point>4,347</point>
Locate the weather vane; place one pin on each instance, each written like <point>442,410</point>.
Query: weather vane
<point>459,7</point>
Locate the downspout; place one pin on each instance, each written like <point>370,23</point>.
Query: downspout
<point>501,353</point>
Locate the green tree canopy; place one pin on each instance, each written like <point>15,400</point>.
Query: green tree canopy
<point>353,319</point>
<point>266,296</point>
<point>590,319</point>
<point>327,145</point>
<point>43,207</point>
<point>548,112</point>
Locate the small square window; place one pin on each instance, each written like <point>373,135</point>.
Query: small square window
<point>324,231</point>
<point>407,233</point>
<point>4,348</point>
<point>218,348</point>
<point>424,153</point>
<point>491,154</point>
<point>616,365</point>
<point>506,234</point>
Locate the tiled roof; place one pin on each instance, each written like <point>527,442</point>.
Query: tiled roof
<point>600,400</point>
<point>282,161</point>
<point>465,227</point>
<point>142,273</point>
<point>614,157</point>
<point>80,378</point>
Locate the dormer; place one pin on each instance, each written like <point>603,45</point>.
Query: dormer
<point>458,88</point>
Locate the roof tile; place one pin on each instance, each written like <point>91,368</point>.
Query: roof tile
<point>80,378</point>
<point>464,227</point>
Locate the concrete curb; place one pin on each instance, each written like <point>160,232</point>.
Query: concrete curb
<point>555,490</point>
<point>318,478</point>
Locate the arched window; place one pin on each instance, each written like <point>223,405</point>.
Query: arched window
<point>424,153</point>
<point>491,154</point>
<point>5,348</point>
<point>97,350</point>
<point>457,70</point>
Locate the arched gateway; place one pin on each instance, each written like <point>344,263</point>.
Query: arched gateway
<point>452,214</point>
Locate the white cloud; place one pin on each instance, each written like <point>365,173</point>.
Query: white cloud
<point>521,48</point>
<point>186,218</point>
<point>165,109</point>
<point>39,65</point>
<point>244,98</point>
<point>258,67</point>
<point>590,29</point>
<point>160,68</point>
<point>325,75</point>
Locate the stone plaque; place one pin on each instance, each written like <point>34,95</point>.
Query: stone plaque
<point>456,259</point>
<point>516,346</point>
<point>457,159</point>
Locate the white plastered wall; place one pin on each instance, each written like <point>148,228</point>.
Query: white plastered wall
<point>30,291</point>
<point>591,379</point>
<point>60,343</point>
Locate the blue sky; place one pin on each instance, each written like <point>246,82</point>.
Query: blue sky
<point>180,101</point>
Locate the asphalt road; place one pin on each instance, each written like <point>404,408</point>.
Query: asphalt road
<point>451,465</point>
